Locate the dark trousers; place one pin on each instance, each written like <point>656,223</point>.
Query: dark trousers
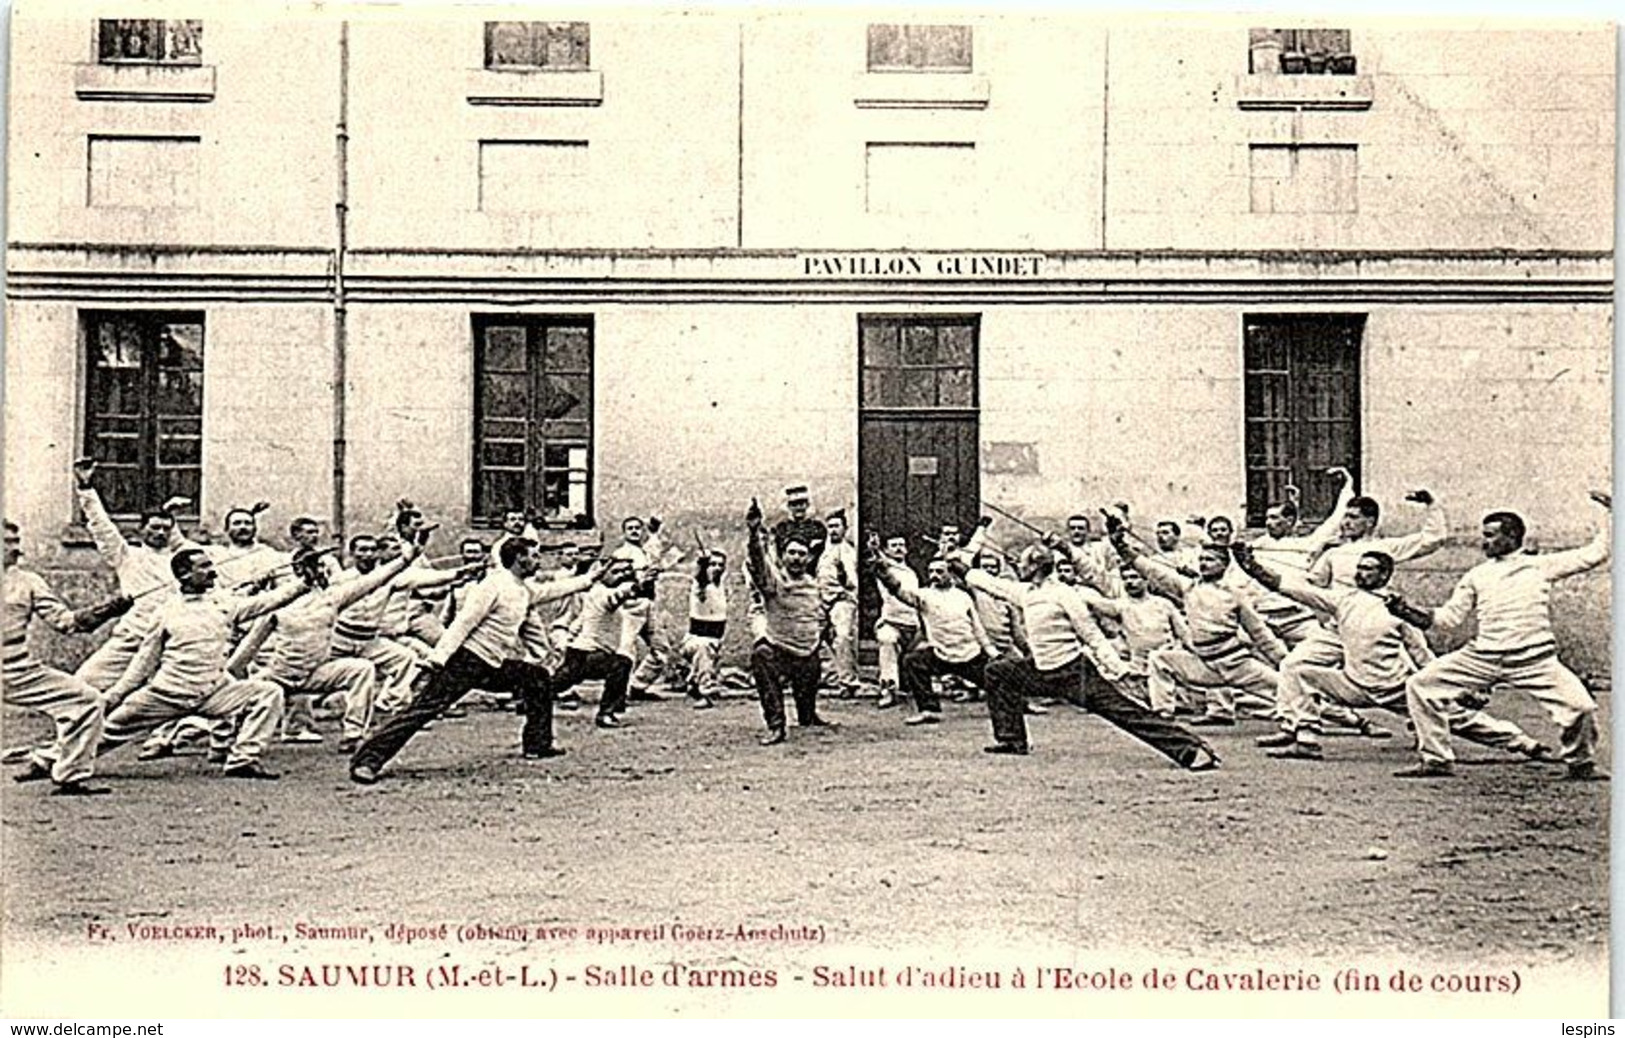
<point>1010,680</point>
<point>774,668</point>
<point>922,664</point>
<point>465,671</point>
<point>612,668</point>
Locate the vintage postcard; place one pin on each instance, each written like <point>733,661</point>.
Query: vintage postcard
<point>556,510</point>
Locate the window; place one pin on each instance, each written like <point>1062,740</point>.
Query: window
<point>533,418</point>
<point>532,176</point>
<point>1300,52</point>
<point>537,45</point>
<point>149,41</point>
<point>918,362</point>
<point>1303,407</point>
<point>918,179</point>
<point>144,407</point>
<point>1304,178</point>
<point>919,48</point>
<point>143,172</point>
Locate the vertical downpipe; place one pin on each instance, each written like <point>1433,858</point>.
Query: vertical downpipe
<point>341,215</point>
<point>1105,128</point>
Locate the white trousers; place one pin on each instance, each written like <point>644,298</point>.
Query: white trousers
<point>356,680</point>
<point>701,655</point>
<point>259,703</point>
<point>73,707</point>
<point>1237,674</point>
<point>843,620</point>
<point>1464,678</point>
<point>893,640</point>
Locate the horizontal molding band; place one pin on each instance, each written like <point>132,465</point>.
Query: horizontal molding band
<point>945,295</point>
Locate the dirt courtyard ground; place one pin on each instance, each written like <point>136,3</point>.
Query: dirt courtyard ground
<point>886,837</point>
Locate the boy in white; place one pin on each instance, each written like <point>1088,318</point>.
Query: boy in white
<point>707,623</point>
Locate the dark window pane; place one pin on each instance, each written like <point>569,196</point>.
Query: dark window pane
<point>564,45</point>
<point>505,396</point>
<point>568,349</point>
<point>880,344</point>
<point>919,345</point>
<point>180,392</point>
<point>183,41</point>
<point>181,346</point>
<point>881,388</point>
<point>180,450</point>
<point>565,397</point>
<point>956,345</point>
<point>116,449</point>
<point>508,43</point>
<point>919,388</point>
<point>944,46</point>
<point>116,392</point>
<point>887,47</point>
<point>504,349</point>
<point>179,482</point>
<point>500,491</point>
<point>503,453</point>
<point>956,388</point>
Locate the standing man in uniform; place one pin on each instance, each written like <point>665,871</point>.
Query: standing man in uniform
<point>799,525</point>
<point>838,587</point>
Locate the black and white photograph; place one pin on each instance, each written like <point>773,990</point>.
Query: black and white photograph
<point>527,511</point>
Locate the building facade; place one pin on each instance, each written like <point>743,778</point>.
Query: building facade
<point>595,266</point>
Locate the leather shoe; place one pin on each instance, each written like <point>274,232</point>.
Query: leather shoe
<point>158,752</point>
<point>35,773</point>
<point>773,737</point>
<point>1585,772</point>
<point>819,722</point>
<point>924,718</point>
<point>543,754</point>
<point>362,775</point>
<point>1280,740</point>
<point>1426,770</point>
<point>255,770</point>
<point>78,789</point>
<point>1300,751</point>
<point>608,721</point>
<point>1013,749</point>
<point>1210,721</point>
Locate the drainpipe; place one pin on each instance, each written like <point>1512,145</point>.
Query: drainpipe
<point>341,215</point>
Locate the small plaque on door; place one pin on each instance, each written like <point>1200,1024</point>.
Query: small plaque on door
<point>922,465</point>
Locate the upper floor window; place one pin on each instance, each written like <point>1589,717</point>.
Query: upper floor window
<point>144,406</point>
<point>537,45</point>
<point>1301,51</point>
<point>919,48</point>
<point>149,41</point>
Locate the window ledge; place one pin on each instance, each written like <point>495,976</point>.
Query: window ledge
<point>582,88</point>
<point>171,83</point>
<point>1283,91</point>
<point>920,90</point>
